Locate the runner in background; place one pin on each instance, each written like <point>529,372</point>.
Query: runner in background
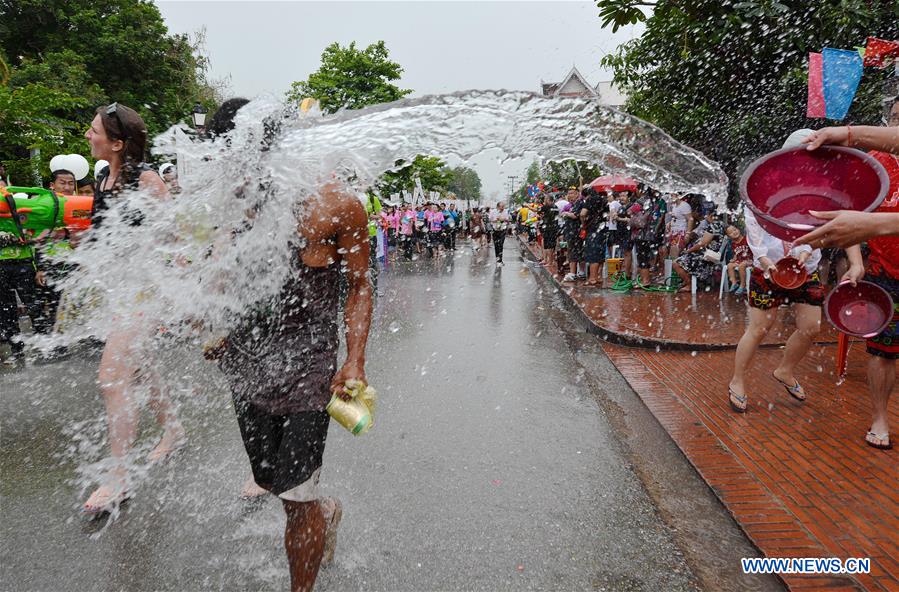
<point>499,221</point>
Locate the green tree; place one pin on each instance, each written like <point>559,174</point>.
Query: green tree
<point>352,78</point>
<point>622,12</point>
<point>569,173</point>
<point>95,52</point>
<point>465,183</point>
<point>433,172</point>
<point>729,77</point>
<point>28,121</point>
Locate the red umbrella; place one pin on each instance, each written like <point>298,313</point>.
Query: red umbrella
<point>614,183</point>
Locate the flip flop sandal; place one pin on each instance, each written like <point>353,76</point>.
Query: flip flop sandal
<point>795,391</point>
<point>882,438</point>
<point>731,396</point>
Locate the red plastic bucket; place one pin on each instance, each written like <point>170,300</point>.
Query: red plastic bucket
<point>790,274</point>
<point>781,187</point>
<point>863,310</point>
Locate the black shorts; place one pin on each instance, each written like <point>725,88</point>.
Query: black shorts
<point>625,242</point>
<point>575,249</point>
<point>764,294</point>
<point>621,236</point>
<point>595,247</point>
<point>285,450</point>
<point>550,239</point>
<point>646,252</point>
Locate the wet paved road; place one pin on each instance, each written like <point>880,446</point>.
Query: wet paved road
<point>491,466</point>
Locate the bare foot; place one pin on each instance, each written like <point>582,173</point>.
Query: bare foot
<point>106,497</point>
<point>173,440</point>
<point>251,491</point>
<point>790,383</point>
<point>784,377</point>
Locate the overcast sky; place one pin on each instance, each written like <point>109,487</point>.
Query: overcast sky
<point>442,46</point>
<point>261,47</point>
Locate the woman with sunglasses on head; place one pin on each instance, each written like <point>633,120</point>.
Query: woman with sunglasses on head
<point>118,135</point>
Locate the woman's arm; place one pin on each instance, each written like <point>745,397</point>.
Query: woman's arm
<point>847,228</point>
<point>150,181</point>
<point>866,137</point>
<point>703,243</point>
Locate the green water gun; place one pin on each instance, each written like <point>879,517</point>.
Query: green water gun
<point>43,211</point>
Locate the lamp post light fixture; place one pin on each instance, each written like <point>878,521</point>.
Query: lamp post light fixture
<point>199,116</point>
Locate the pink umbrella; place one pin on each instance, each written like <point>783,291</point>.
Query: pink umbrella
<point>613,183</point>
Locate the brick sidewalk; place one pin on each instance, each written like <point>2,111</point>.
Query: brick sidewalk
<point>797,477</point>
<point>701,321</point>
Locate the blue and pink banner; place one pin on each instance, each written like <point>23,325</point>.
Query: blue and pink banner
<point>833,78</point>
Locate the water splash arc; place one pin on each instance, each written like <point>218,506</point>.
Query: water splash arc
<point>242,195</point>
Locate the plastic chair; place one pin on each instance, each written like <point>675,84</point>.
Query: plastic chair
<point>725,259</point>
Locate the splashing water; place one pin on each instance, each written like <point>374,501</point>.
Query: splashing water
<point>195,264</point>
<point>223,243</point>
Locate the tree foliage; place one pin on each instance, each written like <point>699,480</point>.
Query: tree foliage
<point>351,78</point>
<point>431,170</point>
<point>67,57</point>
<point>556,175</point>
<point>569,173</point>
<point>619,13</point>
<point>465,183</point>
<point>35,116</point>
<point>729,77</point>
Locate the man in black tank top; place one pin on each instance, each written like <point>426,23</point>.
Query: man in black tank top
<point>281,363</point>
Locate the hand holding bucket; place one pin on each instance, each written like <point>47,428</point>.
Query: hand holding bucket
<point>782,187</point>
<point>862,310</point>
<point>789,273</point>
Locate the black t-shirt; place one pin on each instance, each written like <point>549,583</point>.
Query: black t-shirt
<point>573,226</point>
<point>549,223</point>
<point>597,207</point>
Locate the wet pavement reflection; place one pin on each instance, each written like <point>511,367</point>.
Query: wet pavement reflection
<point>490,465</point>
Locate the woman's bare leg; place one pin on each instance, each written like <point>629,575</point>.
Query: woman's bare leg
<point>117,372</point>
<point>808,323</point>
<point>173,436</point>
<point>760,322</point>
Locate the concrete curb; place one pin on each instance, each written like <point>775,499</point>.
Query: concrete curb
<point>627,339</point>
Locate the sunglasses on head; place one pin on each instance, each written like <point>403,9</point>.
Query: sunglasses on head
<point>113,110</point>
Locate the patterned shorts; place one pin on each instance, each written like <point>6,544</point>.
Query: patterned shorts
<point>764,294</point>
<point>886,343</point>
